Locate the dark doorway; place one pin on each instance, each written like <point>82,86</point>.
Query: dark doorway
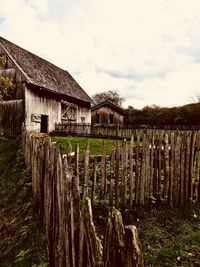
<point>44,124</point>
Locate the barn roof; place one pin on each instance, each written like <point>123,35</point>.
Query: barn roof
<point>43,74</point>
<point>110,105</point>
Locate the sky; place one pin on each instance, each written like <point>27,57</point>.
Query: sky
<point>149,51</point>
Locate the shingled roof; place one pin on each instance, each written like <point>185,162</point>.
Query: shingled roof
<point>111,105</point>
<point>43,74</point>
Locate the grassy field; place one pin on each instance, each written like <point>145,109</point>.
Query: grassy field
<point>170,237</point>
<point>95,143</point>
<point>21,244</point>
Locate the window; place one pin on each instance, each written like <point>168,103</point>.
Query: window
<point>97,118</point>
<point>82,119</point>
<point>111,118</point>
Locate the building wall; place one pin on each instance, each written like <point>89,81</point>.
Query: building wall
<point>35,106</point>
<point>104,114</point>
<point>83,115</point>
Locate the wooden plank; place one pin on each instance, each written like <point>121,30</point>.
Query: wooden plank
<point>133,250</point>
<point>143,167</point>
<point>155,173</point>
<point>86,172</point>
<point>69,152</point>
<point>182,177</point>
<point>193,141</point>
<point>113,254</point>
<point>166,166</point>
<point>112,175</point>
<point>124,175</point>
<point>103,172</point>
<point>111,192</point>
<point>93,244</point>
<point>131,175</point>
<point>159,167</point>
<point>94,181</point>
<point>137,169</point>
<point>187,166</point>
<point>151,168</point>
<point>76,204</point>
<point>117,166</point>
<point>147,171</point>
<point>171,180</point>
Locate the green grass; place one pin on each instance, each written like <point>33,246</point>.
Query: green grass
<point>21,243</point>
<point>94,143</point>
<point>171,237</point>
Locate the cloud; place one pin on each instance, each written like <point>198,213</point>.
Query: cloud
<point>148,50</point>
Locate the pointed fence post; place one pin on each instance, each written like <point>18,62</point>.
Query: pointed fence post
<point>117,166</point>
<point>166,167</point>
<point>94,180</point>
<point>131,174</point>
<point>103,172</point>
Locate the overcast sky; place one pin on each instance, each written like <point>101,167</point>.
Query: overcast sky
<point>148,50</point>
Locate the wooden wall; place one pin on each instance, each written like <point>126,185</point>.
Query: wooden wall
<point>104,113</point>
<point>35,106</point>
<point>11,117</point>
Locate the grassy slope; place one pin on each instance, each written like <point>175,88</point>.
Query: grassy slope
<point>21,244</point>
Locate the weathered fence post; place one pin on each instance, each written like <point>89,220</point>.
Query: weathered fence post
<point>103,172</point>
<point>166,167</point>
<point>94,180</point>
<point>131,175</point>
<point>133,249</point>
<point>92,242</point>
<point>121,244</point>
<point>117,166</point>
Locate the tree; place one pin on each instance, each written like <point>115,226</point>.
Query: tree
<point>112,95</point>
<point>7,89</point>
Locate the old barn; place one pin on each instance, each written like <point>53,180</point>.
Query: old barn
<point>107,113</point>
<point>45,93</point>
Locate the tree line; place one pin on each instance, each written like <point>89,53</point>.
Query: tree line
<point>154,115</point>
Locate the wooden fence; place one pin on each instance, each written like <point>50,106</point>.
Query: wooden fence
<point>73,128</point>
<point>11,117</point>
<point>117,131</point>
<point>60,191</point>
<point>163,169</point>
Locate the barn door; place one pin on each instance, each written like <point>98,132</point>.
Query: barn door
<point>69,112</point>
<point>44,124</point>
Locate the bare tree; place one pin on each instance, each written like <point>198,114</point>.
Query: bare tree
<point>112,95</point>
